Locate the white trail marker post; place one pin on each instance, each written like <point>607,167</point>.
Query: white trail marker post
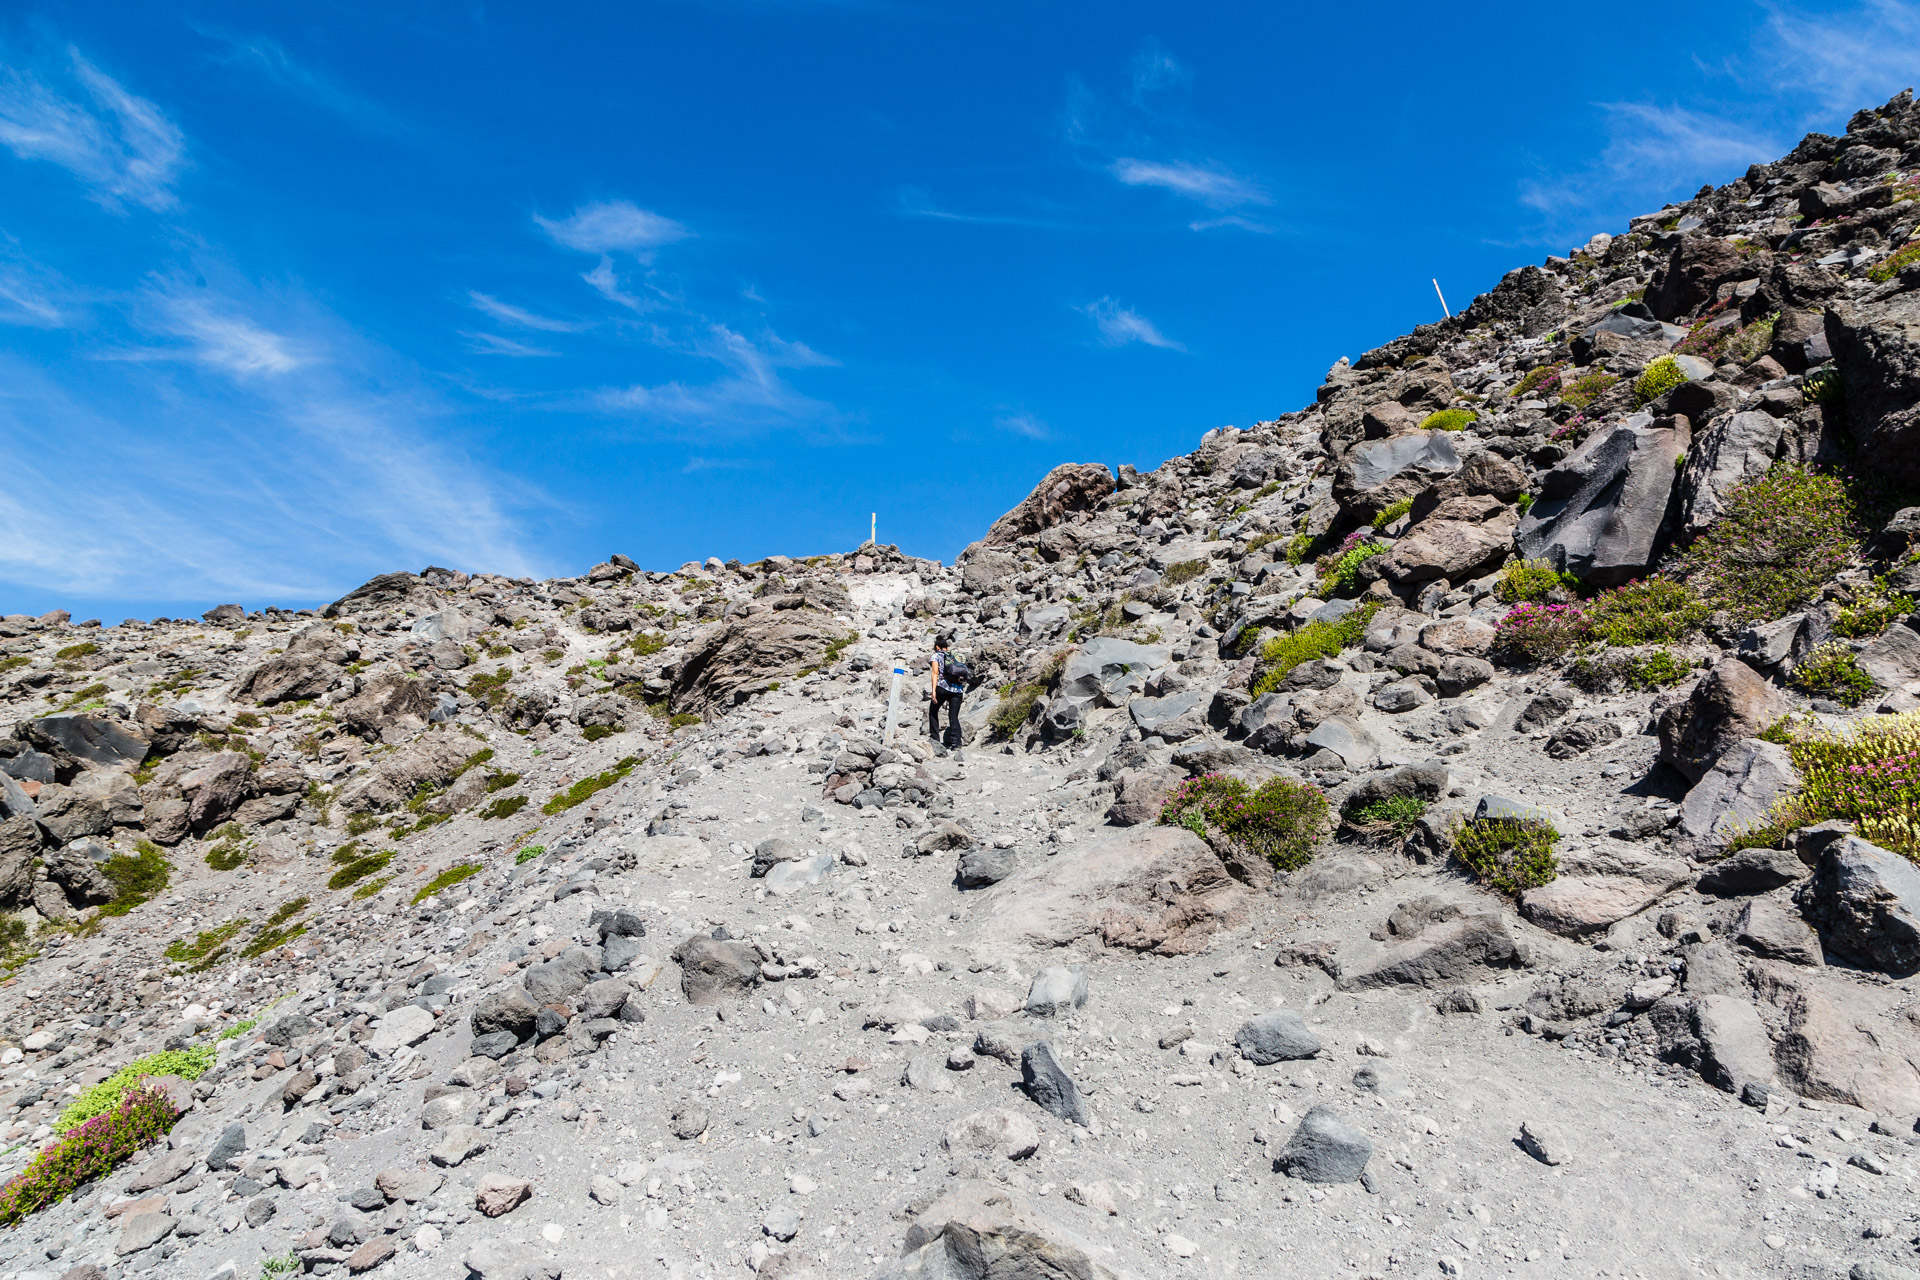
<point>893,705</point>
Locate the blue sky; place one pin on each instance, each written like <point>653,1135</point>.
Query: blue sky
<point>293,295</point>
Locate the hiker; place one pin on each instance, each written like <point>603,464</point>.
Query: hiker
<point>949,685</point>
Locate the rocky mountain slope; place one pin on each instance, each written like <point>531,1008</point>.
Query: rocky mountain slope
<point>1459,827</point>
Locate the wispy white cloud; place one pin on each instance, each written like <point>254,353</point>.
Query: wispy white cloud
<point>270,60</point>
<point>607,285</point>
<point>492,344</point>
<point>507,313</point>
<point>1155,70</point>
<point>696,465</point>
<point>1844,60</point>
<point>221,336</point>
<point>122,146</point>
<point>29,292</point>
<point>1653,153</point>
<point>1024,424</point>
<point>1120,325</point>
<point>612,226</point>
<point>1211,185</point>
<point>752,391</point>
<point>917,202</point>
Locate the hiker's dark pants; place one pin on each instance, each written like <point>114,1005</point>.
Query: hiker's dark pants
<point>952,702</point>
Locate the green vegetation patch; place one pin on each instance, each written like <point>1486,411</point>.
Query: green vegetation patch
<point>588,787</point>
<point>278,930</point>
<point>1340,570</point>
<point>356,864</point>
<point>1871,612</point>
<point>98,1099</point>
<point>90,1151</point>
<point>1282,654</point>
<point>1660,377</point>
<point>1396,814</point>
<point>504,807</point>
<point>1530,580</point>
<point>136,877</point>
<point>1652,611</point>
<point>1183,571</point>
<point>1281,821</point>
<point>528,854</point>
<point>1508,855</point>
<point>490,687</point>
<point>1779,539</point>
<point>229,849</point>
<point>1393,512</point>
<point>1449,420</point>
<point>1542,381</point>
<point>1833,671</point>
<point>1582,392</point>
<point>207,949</point>
<point>76,651</point>
<point>446,880</point>
<point>1895,263</point>
<point>595,732</point>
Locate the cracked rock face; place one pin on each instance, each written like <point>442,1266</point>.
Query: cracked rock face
<point>630,919</point>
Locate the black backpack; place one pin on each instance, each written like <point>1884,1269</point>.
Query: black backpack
<point>954,670</point>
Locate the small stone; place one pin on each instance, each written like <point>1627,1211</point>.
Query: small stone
<point>994,1131</point>
<point>458,1144</point>
<point>1279,1036</point>
<point>1057,990</point>
<point>371,1254</point>
<point>143,1231</point>
<point>1543,1142</point>
<point>960,1058</point>
<point>259,1210</point>
<point>688,1121</point>
<point>1046,1081</point>
<point>1094,1195</point>
<point>782,1224</point>
<point>497,1193</point>
<point>553,1233</point>
<point>604,1190</point>
<point>1180,1247</point>
<point>1325,1149</point>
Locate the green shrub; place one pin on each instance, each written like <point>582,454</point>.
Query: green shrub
<point>1391,513</point>
<point>1183,571</point>
<point>595,732</point>
<point>529,853</point>
<point>13,662</point>
<point>1778,540</point>
<point>1532,633</point>
<point>356,865</point>
<point>235,1030</point>
<point>1545,379</point>
<point>229,848</point>
<point>1299,547</point>
<point>98,1099</point>
<point>1832,671</point>
<point>1651,611</point>
<point>93,1150</point>
<point>285,1264</point>
<point>1508,855</point>
<point>491,687</point>
<point>500,781</point>
<point>1607,673</point>
<point>588,787</point>
<point>1820,385</point>
<point>1014,707</point>
<point>1660,377</point>
<point>1523,503</point>
<point>1530,580</point>
<point>647,643</point>
<point>359,824</point>
<point>277,931</point>
<point>1281,821</point>
<point>446,880</point>
<point>1449,420</point>
<point>206,950</point>
<point>1872,612</point>
<point>76,651</point>
<point>1584,391</point>
<point>1339,572</point>
<point>1891,266</point>
<point>1867,774</point>
<point>504,807</point>
<point>1395,813</point>
<point>136,877</point>
<point>1303,644</point>
<point>681,720</point>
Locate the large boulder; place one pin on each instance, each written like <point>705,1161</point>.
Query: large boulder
<point>431,762</point>
<point>1697,266</point>
<point>1325,1148</point>
<point>1148,888</point>
<point>1599,887</point>
<point>100,741</point>
<point>1108,671</point>
<point>1142,793</point>
<point>1732,450</point>
<point>744,658</point>
<point>1599,514</point>
<point>19,846</point>
<point>1069,488</point>
<point>1446,952</point>
<point>215,789</point>
<point>311,664</point>
<point>1375,474</point>
<point>385,591</point>
<point>982,1231</point>
<point>1732,702</point>
<point>1876,347</point>
<point>1844,1042</point>
<point>713,970</point>
<point>1461,539</point>
<point>1720,1036</point>
<point>1865,901</point>
<point>1738,792</point>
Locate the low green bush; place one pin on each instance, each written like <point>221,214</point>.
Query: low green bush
<point>1395,813</point>
<point>446,880</point>
<point>76,651</point>
<point>586,788</point>
<point>1652,611</point>
<point>1508,855</point>
<point>1530,581</point>
<point>279,929</point>
<point>1340,570</point>
<point>1867,774</point>
<point>1391,513</point>
<point>1778,540</point>
<point>1872,611</point>
<point>136,877</point>
<point>1833,671</point>
<point>1281,821</point>
<point>490,687</point>
<point>504,807</point>
<point>229,849</point>
<point>107,1095</point>
<point>1895,263</point>
<point>1542,381</point>
<point>595,732</point>
<point>207,949</point>
<point>356,864</point>
<point>1660,377</point>
<point>92,1150</point>
<point>1313,640</point>
<point>1183,571</point>
<point>1820,385</point>
<point>1584,391</point>
<point>529,853</point>
<point>1449,420</point>
<point>1299,547</point>
<point>1533,633</point>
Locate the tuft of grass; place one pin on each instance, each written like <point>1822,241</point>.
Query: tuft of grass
<point>1651,611</point>
<point>490,687</point>
<point>91,1151</point>
<point>1299,547</point>
<point>595,732</point>
<point>835,648</point>
<point>1281,821</point>
<point>229,849</point>
<point>446,880</point>
<point>1543,380</point>
<point>136,877</point>
<point>1391,513</point>
<point>1449,420</point>
<point>1660,377</point>
<point>75,651</point>
<point>1508,855</point>
<point>206,950</point>
<point>1183,571</point>
<point>1603,674</point>
<point>1832,671</point>
<point>358,824</point>
<point>586,788</point>
<point>647,643</point>
<point>529,853</point>
<point>98,1099</point>
<point>1821,385</point>
<point>1395,813</point>
<point>1303,644</point>
<point>1895,263</point>
<point>1780,538</point>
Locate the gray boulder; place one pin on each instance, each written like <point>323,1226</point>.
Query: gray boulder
<point>1752,871</point>
<point>712,970</point>
<point>1174,718</point>
<point>1739,791</point>
<point>1109,671</point>
<point>1599,513</point>
<point>99,740</point>
<point>1732,450</point>
<point>1278,1036</point>
<point>1325,1149</point>
<point>1865,901</point>
<point>1894,658</point>
<point>508,1010</point>
<point>1051,1088</point>
<point>1731,702</point>
<point>1375,474</point>
<point>1056,990</point>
